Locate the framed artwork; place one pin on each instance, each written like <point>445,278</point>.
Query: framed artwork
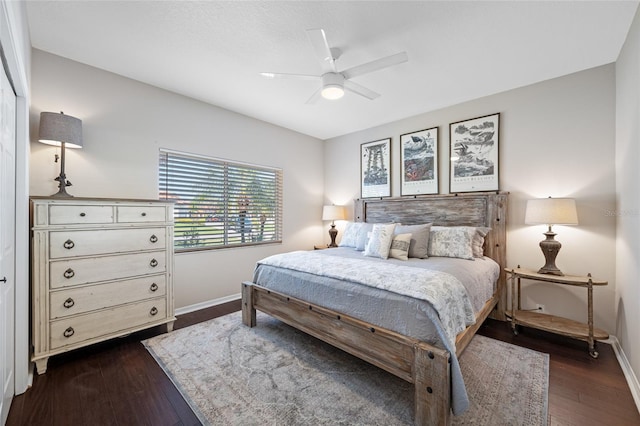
<point>419,162</point>
<point>375,168</point>
<point>474,154</point>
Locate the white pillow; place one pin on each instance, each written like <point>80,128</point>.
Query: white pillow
<point>380,241</point>
<point>349,234</point>
<point>400,246</point>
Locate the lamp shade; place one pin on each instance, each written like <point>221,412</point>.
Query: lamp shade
<point>333,213</point>
<point>551,211</point>
<point>57,128</point>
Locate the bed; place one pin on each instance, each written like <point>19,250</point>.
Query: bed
<point>431,365</point>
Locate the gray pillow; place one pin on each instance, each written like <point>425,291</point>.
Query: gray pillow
<point>419,245</point>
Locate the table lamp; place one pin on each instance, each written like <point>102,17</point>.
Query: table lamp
<point>64,131</point>
<point>333,213</point>
<point>551,211</point>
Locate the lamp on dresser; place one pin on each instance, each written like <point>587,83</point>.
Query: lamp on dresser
<point>551,211</point>
<point>64,131</point>
<point>333,213</point>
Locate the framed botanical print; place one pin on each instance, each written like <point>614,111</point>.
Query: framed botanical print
<point>375,168</point>
<point>419,162</point>
<point>474,154</point>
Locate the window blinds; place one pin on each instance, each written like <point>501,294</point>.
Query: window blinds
<point>220,203</point>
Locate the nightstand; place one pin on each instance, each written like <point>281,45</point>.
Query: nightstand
<point>552,323</point>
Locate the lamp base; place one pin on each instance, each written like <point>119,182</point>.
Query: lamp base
<point>333,233</point>
<point>62,187</point>
<point>550,248</point>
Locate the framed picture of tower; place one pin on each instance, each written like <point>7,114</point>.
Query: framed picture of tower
<point>375,169</point>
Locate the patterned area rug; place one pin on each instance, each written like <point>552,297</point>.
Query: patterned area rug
<point>274,374</point>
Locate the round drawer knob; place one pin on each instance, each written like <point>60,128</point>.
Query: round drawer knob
<point>154,287</point>
<point>153,263</point>
<point>153,311</point>
<point>144,214</point>
<point>69,273</point>
<point>153,239</point>
<point>83,214</point>
<point>68,303</point>
<point>69,244</point>
<point>68,332</point>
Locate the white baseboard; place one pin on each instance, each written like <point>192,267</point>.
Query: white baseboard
<point>631,377</point>
<point>207,304</point>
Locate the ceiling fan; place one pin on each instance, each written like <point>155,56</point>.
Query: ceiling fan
<point>335,82</point>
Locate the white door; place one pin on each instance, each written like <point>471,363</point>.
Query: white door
<point>7,241</point>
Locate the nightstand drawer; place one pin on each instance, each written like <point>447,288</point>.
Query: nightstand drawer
<point>86,214</point>
<point>83,243</point>
<point>85,299</point>
<point>67,273</point>
<point>136,214</point>
<point>96,324</point>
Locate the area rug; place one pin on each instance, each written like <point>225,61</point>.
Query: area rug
<point>273,374</point>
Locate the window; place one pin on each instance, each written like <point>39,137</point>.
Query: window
<point>220,203</point>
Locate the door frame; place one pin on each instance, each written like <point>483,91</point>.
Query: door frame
<point>16,46</point>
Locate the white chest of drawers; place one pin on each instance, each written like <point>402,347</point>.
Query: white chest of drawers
<point>100,269</point>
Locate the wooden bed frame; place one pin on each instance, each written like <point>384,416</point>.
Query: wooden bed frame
<point>415,361</point>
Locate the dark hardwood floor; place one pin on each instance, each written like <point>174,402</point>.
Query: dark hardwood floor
<point>119,383</point>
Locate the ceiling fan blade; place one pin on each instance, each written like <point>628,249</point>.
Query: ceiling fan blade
<point>360,90</point>
<point>320,45</point>
<point>376,65</point>
<point>283,75</point>
<point>314,98</point>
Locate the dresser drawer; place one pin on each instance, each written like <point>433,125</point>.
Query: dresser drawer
<point>87,214</point>
<point>69,331</point>
<point>67,273</point>
<point>138,214</point>
<point>85,243</point>
<point>79,300</point>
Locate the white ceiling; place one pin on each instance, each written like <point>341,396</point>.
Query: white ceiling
<point>214,50</point>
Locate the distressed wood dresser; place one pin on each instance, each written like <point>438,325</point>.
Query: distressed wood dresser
<point>101,268</point>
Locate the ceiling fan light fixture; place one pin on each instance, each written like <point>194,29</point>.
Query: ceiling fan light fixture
<point>332,92</point>
<point>332,86</point>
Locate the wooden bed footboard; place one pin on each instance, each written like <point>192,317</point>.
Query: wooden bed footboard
<point>417,362</point>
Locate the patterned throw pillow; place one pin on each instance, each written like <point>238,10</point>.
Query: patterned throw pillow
<point>452,241</point>
<point>400,246</point>
<point>349,234</point>
<point>380,241</point>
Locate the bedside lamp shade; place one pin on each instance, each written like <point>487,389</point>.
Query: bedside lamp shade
<point>333,213</point>
<point>551,211</point>
<point>64,131</point>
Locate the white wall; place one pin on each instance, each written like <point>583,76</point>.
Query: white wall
<point>628,196</point>
<point>557,138</point>
<point>125,123</point>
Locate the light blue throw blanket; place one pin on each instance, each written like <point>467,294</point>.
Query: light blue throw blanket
<point>445,293</point>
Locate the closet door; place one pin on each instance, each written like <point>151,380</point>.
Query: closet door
<point>7,241</point>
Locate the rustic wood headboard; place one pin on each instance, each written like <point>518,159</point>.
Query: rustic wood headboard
<point>473,209</point>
